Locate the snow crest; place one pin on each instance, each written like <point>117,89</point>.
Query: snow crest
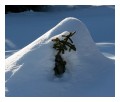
<point>29,72</point>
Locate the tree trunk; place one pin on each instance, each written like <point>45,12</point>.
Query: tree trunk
<point>59,65</point>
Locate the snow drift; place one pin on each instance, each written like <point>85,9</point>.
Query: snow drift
<point>29,72</point>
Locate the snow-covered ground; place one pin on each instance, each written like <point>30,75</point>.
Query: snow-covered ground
<point>90,69</point>
<point>107,49</point>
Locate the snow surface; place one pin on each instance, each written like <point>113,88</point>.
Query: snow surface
<point>29,72</point>
<point>107,49</point>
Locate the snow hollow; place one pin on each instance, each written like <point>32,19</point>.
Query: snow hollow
<point>29,72</point>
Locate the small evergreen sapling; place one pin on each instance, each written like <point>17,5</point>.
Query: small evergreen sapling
<point>61,46</point>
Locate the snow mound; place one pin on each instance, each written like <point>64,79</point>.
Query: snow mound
<point>29,72</point>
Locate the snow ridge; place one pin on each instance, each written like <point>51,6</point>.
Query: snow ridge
<point>88,73</point>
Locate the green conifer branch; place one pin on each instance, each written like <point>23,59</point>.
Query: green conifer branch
<point>62,45</point>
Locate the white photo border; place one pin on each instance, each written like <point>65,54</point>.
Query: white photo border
<point>59,2</point>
